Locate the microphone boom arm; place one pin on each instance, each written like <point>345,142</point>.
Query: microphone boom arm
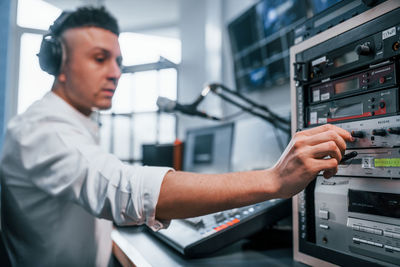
<point>273,118</point>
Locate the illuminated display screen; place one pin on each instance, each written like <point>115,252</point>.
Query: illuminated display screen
<point>347,111</point>
<point>346,86</point>
<point>383,204</point>
<point>243,32</point>
<point>321,5</point>
<point>393,162</point>
<point>277,14</point>
<point>257,77</point>
<point>346,59</point>
<point>203,149</point>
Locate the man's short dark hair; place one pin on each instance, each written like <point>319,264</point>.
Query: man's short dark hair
<point>85,16</point>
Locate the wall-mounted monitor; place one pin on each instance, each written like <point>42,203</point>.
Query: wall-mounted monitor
<point>277,14</point>
<point>260,41</point>
<point>320,5</point>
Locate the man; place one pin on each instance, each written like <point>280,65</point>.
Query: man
<point>57,181</point>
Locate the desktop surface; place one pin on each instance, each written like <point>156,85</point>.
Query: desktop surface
<point>144,249</point>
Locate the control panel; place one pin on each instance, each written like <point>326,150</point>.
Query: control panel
<point>351,80</point>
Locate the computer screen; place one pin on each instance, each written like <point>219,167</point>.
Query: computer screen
<point>260,41</point>
<point>256,144</point>
<point>158,155</point>
<point>243,32</point>
<point>320,5</point>
<point>277,14</point>
<point>208,149</point>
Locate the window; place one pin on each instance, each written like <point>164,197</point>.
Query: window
<point>133,119</point>
<point>28,10</point>
<point>33,83</point>
<point>122,134</point>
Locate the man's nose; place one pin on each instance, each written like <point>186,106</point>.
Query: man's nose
<point>114,72</point>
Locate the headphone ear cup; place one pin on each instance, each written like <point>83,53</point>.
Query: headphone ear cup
<point>50,55</point>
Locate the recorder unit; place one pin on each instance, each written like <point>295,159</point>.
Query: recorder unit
<point>350,78</point>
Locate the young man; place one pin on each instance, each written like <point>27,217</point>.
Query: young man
<point>57,181</point>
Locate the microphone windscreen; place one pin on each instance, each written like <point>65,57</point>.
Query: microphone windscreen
<point>165,104</point>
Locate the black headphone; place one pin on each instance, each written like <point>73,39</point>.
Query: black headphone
<point>50,54</point>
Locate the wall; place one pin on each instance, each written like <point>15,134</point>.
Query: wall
<point>206,57</point>
<point>5,8</point>
<point>200,23</point>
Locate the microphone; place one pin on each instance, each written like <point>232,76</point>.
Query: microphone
<point>167,105</point>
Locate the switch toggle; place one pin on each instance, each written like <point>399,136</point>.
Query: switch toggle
<point>379,132</point>
<point>348,156</point>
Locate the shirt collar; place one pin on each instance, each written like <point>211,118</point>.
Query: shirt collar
<point>85,121</point>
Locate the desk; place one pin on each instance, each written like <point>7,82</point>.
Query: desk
<point>136,245</point>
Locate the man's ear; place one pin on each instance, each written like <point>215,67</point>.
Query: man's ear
<point>62,77</point>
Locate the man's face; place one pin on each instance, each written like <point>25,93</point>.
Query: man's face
<point>92,68</point>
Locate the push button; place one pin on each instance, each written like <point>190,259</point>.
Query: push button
<point>324,214</point>
<point>378,232</point>
<point>396,235</point>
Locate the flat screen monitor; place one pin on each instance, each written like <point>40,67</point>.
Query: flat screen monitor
<point>158,155</point>
<point>243,31</point>
<point>320,5</point>
<point>208,149</point>
<point>277,14</point>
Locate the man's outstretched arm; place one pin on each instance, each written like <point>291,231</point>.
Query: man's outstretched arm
<point>186,194</point>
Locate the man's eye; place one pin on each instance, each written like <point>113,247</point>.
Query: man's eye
<point>100,59</point>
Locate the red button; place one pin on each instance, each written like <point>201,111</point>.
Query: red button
<point>382,79</point>
<point>235,220</point>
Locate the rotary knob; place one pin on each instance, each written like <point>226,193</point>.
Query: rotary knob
<point>363,49</point>
<point>316,70</point>
<point>379,132</point>
<point>358,134</point>
<point>394,130</point>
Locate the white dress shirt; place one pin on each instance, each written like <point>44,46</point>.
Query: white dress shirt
<point>57,180</point>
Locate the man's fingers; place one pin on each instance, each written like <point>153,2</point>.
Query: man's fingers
<point>329,166</point>
<point>330,148</point>
<point>327,127</point>
<point>326,137</point>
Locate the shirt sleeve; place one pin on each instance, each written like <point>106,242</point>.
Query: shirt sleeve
<point>67,163</point>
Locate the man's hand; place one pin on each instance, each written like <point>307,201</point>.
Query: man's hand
<point>308,153</point>
<point>186,194</point>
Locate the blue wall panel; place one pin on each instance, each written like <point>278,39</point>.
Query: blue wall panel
<point>5,6</point>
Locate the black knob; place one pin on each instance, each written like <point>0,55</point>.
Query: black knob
<point>363,49</point>
<point>394,130</point>
<point>358,134</point>
<point>379,132</point>
<point>382,104</point>
<point>316,70</point>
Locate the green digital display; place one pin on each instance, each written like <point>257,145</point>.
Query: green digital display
<point>393,162</point>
